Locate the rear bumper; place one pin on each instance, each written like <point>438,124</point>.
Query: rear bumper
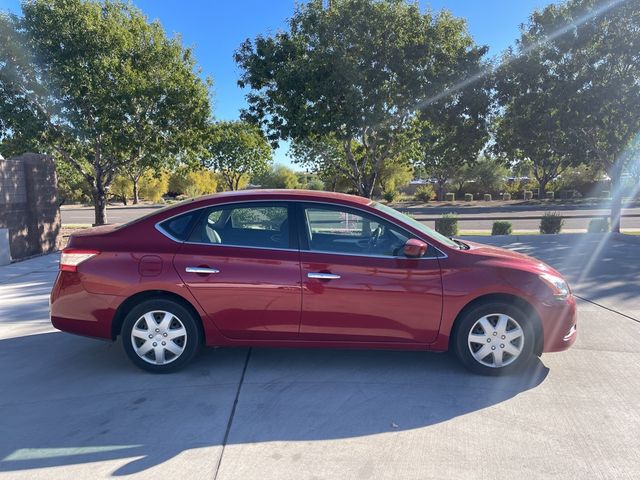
<point>559,322</point>
<point>75,310</point>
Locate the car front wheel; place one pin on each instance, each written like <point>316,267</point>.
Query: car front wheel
<point>494,339</point>
<point>160,335</point>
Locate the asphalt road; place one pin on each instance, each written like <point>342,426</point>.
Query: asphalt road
<point>73,407</point>
<point>480,218</point>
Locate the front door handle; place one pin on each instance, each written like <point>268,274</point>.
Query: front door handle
<point>323,276</point>
<point>201,270</point>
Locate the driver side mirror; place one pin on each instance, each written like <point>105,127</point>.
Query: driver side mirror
<point>415,248</point>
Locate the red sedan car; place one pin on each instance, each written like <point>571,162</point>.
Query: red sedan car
<point>298,268</point>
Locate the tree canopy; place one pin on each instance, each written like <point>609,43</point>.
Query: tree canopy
<point>354,73</point>
<point>570,90</point>
<point>99,86</point>
<point>237,150</point>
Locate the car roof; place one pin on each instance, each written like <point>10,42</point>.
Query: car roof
<point>288,194</point>
<point>248,196</point>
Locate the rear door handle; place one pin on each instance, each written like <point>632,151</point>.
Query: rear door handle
<point>323,276</point>
<point>201,270</point>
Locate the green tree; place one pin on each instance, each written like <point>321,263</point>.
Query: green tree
<point>488,175</point>
<point>153,185</point>
<point>237,150</point>
<point>453,130</point>
<point>353,73</point>
<point>278,176</point>
<point>97,85</point>
<point>122,188</point>
<point>574,79</point>
<point>185,181</point>
<point>395,175</point>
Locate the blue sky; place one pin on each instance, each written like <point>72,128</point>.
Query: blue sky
<point>215,28</point>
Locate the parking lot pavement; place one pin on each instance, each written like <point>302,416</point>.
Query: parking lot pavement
<point>75,408</point>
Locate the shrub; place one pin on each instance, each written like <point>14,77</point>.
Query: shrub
<point>487,197</point>
<point>122,188</point>
<point>279,176</point>
<point>506,196</point>
<point>528,195</point>
<point>192,191</point>
<point>192,183</point>
<point>424,193</point>
<point>551,223</point>
<point>598,225</point>
<point>550,195</point>
<point>447,225</point>
<point>468,197</point>
<point>450,197</point>
<point>315,184</point>
<point>391,195</point>
<point>153,185</point>
<point>501,227</point>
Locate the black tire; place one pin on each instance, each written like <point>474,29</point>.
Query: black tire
<point>463,348</point>
<point>190,342</point>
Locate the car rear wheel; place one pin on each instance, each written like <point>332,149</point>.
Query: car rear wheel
<point>494,339</point>
<point>160,335</point>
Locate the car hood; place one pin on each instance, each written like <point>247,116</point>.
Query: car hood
<point>508,257</point>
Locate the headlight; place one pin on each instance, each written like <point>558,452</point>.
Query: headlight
<point>557,285</point>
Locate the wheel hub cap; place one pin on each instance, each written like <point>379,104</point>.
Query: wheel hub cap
<point>496,340</point>
<point>159,337</point>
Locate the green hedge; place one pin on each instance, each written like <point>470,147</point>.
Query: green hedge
<point>447,225</point>
<point>551,223</point>
<point>391,195</point>
<point>501,227</point>
<point>424,193</point>
<point>598,225</point>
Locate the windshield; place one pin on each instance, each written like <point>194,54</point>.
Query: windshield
<point>430,232</point>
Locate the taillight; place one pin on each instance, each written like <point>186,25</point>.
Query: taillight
<point>70,258</point>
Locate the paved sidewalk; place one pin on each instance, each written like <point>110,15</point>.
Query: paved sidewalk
<point>73,407</point>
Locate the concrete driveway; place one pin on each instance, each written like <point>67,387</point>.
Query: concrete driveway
<point>72,407</point>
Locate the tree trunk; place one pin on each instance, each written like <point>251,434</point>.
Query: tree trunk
<point>441,190</point>
<point>100,205</point>
<point>369,185</point>
<point>124,200</point>
<point>542,188</point>
<point>616,196</point>
<point>136,195</point>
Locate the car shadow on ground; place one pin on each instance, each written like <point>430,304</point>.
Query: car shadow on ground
<point>69,400</point>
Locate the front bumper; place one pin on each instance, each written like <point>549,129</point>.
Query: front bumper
<point>559,323</point>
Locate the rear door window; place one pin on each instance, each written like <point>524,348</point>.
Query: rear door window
<point>259,225</point>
